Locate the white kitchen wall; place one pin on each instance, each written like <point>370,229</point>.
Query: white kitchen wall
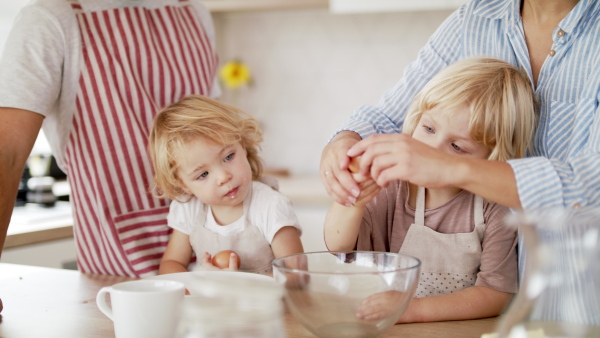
<point>311,69</point>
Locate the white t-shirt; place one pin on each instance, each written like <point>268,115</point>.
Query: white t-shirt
<point>269,211</point>
<point>45,80</point>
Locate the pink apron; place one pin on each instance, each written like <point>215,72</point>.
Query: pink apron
<point>449,262</point>
<point>135,62</point>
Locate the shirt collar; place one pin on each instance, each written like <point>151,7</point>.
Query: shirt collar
<point>511,11</point>
<point>583,9</point>
<point>497,9</point>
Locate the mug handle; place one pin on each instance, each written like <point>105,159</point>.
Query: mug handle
<point>101,302</point>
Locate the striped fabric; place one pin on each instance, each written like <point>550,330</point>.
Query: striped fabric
<point>564,272</point>
<point>135,61</point>
<point>564,168</point>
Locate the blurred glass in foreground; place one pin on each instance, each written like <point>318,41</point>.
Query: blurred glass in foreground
<point>224,305</point>
<point>559,294</point>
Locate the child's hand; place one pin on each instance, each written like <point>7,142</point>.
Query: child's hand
<point>380,305</point>
<point>368,189</point>
<point>208,265</point>
<point>234,262</point>
<point>207,262</point>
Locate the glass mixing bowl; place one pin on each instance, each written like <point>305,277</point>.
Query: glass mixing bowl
<point>326,291</point>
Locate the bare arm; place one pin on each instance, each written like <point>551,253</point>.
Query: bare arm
<point>342,223</point>
<point>493,180</point>
<point>286,242</point>
<point>470,303</point>
<point>178,254</point>
<point>341,227</point>
<point>18,132</point>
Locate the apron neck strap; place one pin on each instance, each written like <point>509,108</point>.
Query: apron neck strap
<point>420,211</point>
<point>478,210</point>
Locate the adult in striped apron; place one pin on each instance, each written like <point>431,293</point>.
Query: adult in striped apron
<point>96,72</point>
<point>136,60</point>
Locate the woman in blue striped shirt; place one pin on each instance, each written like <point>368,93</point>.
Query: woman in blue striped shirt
<point>557,43</point>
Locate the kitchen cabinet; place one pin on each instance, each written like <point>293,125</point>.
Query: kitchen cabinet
<point>41,236</point>
<point>59,254</point>
<point>335,6</point>
<point>373,6</point>
<point>217,6</point>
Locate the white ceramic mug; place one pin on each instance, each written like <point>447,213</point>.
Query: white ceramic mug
<point>143,308</point>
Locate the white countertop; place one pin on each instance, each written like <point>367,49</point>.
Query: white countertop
<point>34,223</point>
<point>34,216</point>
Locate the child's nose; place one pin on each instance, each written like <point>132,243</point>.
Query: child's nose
<point>224,177</point>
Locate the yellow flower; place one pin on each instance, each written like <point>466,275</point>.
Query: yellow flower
<point>235,74</point>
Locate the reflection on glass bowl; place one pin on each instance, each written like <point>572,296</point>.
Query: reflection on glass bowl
<point>326,291</point>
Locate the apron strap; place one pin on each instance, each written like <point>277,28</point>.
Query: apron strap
<point>420,211</point>
<point>478,212</point>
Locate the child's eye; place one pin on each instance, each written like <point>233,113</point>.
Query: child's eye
<point>457,148</point>
<point>203,175</point>
<point>229,157</point>
<point>428,129</point>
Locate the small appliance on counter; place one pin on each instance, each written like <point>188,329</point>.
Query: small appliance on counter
<point>23,189</point>
<point>38,181</point>
<point>40,191</point>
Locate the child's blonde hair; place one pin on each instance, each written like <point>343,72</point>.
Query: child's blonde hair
<point>500,99</point>
<point>194,117</point>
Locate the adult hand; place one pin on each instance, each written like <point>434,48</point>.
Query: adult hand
<point>336,178</point>
<point>393,157</point>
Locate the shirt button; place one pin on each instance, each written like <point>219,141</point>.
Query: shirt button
<point>560,33</point>
<point>552,52</point>
<point>576,205</point>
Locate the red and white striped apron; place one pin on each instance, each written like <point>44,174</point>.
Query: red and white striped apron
<point>135,61</point>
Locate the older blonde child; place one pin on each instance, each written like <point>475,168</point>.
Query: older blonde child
<point>205,157</point>
<point>480,108</point>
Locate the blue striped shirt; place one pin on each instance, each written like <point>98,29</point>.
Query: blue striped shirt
<point>564,166</point>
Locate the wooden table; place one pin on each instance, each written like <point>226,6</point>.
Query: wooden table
<point>44,302</point>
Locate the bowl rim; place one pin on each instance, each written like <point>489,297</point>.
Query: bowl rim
<point>276,263</point>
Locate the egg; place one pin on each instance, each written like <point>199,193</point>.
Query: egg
<point>221,259</point>
<point>354,164</point>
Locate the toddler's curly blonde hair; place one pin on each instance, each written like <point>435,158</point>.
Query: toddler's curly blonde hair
<point>194,117</point>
